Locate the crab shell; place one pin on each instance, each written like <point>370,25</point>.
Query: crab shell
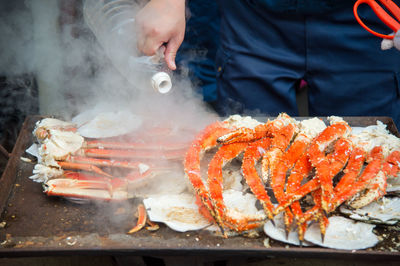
<point>384,211</point>
<point>343,233</point>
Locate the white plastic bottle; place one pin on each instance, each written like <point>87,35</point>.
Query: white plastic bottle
<point>112,22</point>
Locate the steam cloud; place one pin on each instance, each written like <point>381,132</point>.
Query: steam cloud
<point>51,40</point>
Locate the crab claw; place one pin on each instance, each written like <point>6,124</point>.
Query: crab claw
<point>142,218</point>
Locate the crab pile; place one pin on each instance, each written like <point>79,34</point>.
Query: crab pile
<point>112,168</point>
<point>305,169</point>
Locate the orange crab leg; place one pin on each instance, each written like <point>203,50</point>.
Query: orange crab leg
<point>315,213</point>
<point>326,167</point>
<point>106,183</point>
<point>162,146</point>
<point>370,179</point>
<point>301,170</point>
<point>206,140</point>
<point>84,167</point>
<point>103,162</point>
<point>245,135</point>
<point>323,224</point>
<point>295,153</point>
<point>261,131</point>
<point>215,184</point>
<point>141,222</point>
<point>91,189</point>
<point>352,171</point>
<point>276,162</point>
<point>81,176</point>
<point>101,153</point>
<point>308,187</point>
<point>273,157</point>
<point>203,210</point>
<point>152,226</point>
<point>325,138</point>
<point>252,154</point>
<point>391,167</point>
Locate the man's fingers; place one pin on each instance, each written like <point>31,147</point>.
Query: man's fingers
<point>148,46</point>
<point>171,50</point>
<point>396,40</point>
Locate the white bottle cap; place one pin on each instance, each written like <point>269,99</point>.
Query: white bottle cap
<point>161,82</point>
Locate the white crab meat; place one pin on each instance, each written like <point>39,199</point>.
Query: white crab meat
<point>178,212</point>
<point>374,190</point>
<point>312,127</point>
<point>278,232</point>
<point>335,119</point>
<point>375,135</point>
<point>242,121</point>
<point>384,211</point>
<point>343,233</point>
<point>53,123</point>
<point>60,144</point>
<point>106,124</point>
<point>42,173</point>
<point>73,190</point>
<point>241,205</point>
<point>232,180</point>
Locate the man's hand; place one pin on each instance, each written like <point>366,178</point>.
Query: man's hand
<point>388,43</point>
<point>161,22</point>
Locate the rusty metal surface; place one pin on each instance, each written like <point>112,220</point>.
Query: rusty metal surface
<point>37,225</point>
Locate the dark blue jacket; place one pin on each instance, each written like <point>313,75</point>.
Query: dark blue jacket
<point>303,6</point>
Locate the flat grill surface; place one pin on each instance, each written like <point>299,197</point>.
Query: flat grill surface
<point>38,225</point>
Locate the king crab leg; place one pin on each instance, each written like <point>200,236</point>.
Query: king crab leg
<point>372,181</point>
<point>131,154</point>
<point>140,167</point>
<point>392,164</point>
<point>84,167</point>
<point>268,129</point>
<point>215,183</point>
<point>161,146</point>
<point>334,163</point>
<point>301,170</point>
<point>252,154</point>
<point>204,141</point>
<point>282,131</point>
<point>287,161</point>
<point>327,168</point>
<point>89,189</point>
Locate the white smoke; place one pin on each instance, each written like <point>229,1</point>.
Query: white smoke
<point>72,70</point>
<point>74,74</point>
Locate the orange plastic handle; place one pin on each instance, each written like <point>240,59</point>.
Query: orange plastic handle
<point>382,15</point>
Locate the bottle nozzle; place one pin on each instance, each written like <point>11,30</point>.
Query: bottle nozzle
<point>161,82</point>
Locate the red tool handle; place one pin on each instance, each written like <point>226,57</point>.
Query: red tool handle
<point>382,15</point>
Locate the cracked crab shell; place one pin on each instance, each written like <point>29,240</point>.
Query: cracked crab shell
<point>384,211</point>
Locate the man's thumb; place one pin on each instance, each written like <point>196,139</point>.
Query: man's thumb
<point>170,52</point>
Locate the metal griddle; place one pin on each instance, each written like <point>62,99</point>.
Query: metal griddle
<point>38,225</point>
